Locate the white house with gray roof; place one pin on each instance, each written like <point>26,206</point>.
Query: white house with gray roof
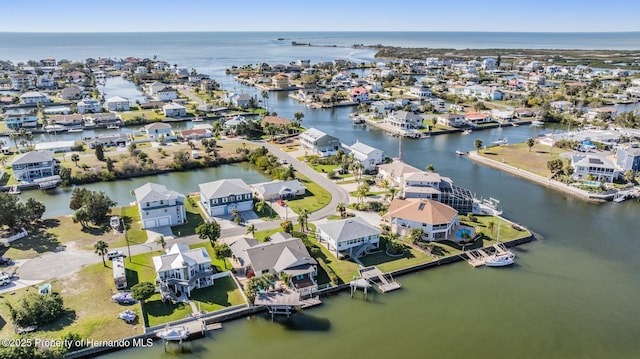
<point>351,236</point>
<point>316,142</point>
<point>159,206</point>
<point>117,103</point>
<point>182,269</point>
<point>174,110</point>
<point>33,165</point>
<point>283,254</point>
<point>595,168</point>
<point>224,196</point>
<point>278,189</point>
<point>368,156</point>
<point>159,130</point>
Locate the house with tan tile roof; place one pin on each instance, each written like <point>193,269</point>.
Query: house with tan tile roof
<point>437,220</point>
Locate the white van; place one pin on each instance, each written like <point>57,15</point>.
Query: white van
<point>4,280</point>
<point>195,154</point>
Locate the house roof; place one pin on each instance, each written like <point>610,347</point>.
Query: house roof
<point>278,187</point>
<point>173,106</point>
<point>157,126</point>
<point>53,145</point>
<point>397,168</point>
<point>279,255</point>
<point>406,116</point>
<point>180,256</point>
<point>592,161</point>
<point>32,157</point>
<point>346,229</point>
<point>117,99</point>
<point>422,176</point>
<point>314,134</point>
<point>224,188</point>
<point>152,192</point>
<point>32,94</point>
<point>421,210</point>
<point>363,148</point>
<point>276,120</point>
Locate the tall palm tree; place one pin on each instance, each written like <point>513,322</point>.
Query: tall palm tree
<point>162,242</point>
<point>342,209</point>
<point>303,216</point>
<point>392,192</point>
<point>251,229</point>
<point>101,248</point>
<point>477,144</point>
<point>75,158</point>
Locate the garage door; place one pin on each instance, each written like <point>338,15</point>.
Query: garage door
<point>245,206</point>
<point>150,223</point>
<point>164,221</point>
<point>217,211</point>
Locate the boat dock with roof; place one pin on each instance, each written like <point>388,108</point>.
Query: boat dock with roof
<point>384,281</point>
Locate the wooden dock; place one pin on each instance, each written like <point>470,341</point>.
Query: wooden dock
<point>385,281</point>
<point>310,302</point>
<point>474,258</point>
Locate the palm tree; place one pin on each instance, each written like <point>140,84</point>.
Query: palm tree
<point>392,192</point>
<point>491,226</point>
<point>75,158</point>
<point>251,229</point>
<point>477,144</point>
<point>101,248</point>
<point>303,216</point>
<point>530,143</point>
<point>162,242</point>
<point>342,209</point>
<point>362,192</point>
<point>265,96</point>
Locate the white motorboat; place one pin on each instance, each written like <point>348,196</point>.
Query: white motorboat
<point>177,333</point>
<point>500,260</point>
<point>467,131</point>
<point>77,129</point>
<point>500,142</point>
<point>537,123</point>
<point>460,153</point>
<point>113,127</point>
<point>197,119</point>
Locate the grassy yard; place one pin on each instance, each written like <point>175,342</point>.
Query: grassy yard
<point>518,156</point>
<point>150,115</point>
<point>194,218</point>
<point>156,312</point>
<point>315,198</point>
<point>139,268</point>
<point>267,213</point>
<point>219,265</point>
<point>224,293</point>
<point>90,311</point>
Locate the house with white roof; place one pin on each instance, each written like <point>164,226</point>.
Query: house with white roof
<point>34,97</point>
<point>594,168</point>
<point>351,236</point>
<point>316,142</point>
<point>55,146</point>
<point>154,87</point>
<point>368,156</point>
<point>628,158</point>
<point>404,120</point>
<point>452,119</point>
<point>166,93</point>
<point>437,220</point>
<point>394,172</point>
<point>182,269</point>
<point>278,189</point>
<point>89,105</point>
<point>159,206</point>
<point>174,110</point>
<point>117,103</point>
<point>420,91</point>
<point>158,130</point>
<point>222,197</point>
<point>282,254</point>
<point>33,165</point>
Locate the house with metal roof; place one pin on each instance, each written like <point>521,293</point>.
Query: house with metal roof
<point>117,103</point>
<point>33,165</point>
<point>351,236</point>
<point>278,189</point>
<point>594,168</point>
<point>368,156</point>
<point>316,142</point>
<point>224,196</point>
<point>182,270</point>
<point>159,206</point>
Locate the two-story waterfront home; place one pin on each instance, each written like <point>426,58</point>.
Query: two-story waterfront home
<point>595,168</point>
<point>34,97</point>
<point>282,254</point>
<point>420,91</point>
<point>435,219</point>
<point>452,120</point>
<point>89,105</point>
<point>316,142</point>
<point>394,172</point>
<point>369,157</point>
<point>359,95</point>
<point>159,130</point>
<point>404,120</point>
<point>351,236</point>
<point>174,110</point>
<point>33,165</point>
<point>280,81</point>
<point>117,103</point>
<point>166,94</point>
<point>21,118</point>
<point>159,206</point>
<point>182,270</point>
<point>224,196</point>
<point>628,158</point>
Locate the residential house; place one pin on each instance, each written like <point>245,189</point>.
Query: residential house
<point>359,95</point>
<point>154,87</point>
<point>275,121</point>
<point>117,103</point>
<point>159,206</point>
<point>166,94</point>
<point>89,105</point>
<point>489,64</point>
<point>68,121</point>
<point>384,106</point>
<point>174,110</point>
<point>351,236</point>
<point>182,270</point>
<point>404,120</point>
<point>436,220</point>
<point>224,196</point>
<point>594,168</point>
<point>21,82</point>
<point>34,97</point>
<point>420,91</point>
<point>102,119</point>
<point>240,100</point>
<point>394,172</point>
<point>159,130</point>
<point>33,165</point>
<point>628,158</point>
<point>195,134</point>
<point>280,81</point>
<point>45,82</point>
<point>232,124</point>
<point>117,140</point>
<point>21,118</point>
<point>421,185</point>
<point>477,117</point>
<point>368,156</point>
<point>72,93</point>
<point>278,189</point>
<point>282,254</point>
<point>55,146</point>
<point>316,142</point>
<point>452,119</point>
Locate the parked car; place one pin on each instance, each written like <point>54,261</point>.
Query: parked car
<point>281,203</point>
<point>114,254</point>
<point>5,280</point>
<point>283,161</point>
<point>4,261</point>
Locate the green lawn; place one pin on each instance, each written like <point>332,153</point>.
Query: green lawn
<point>140,268</point>
<point>222,294</point>
<point>150,115</point>
<point>344,269</point>
<point>135,233</point>
<point>194,218</point>
<point>267,213</point>
<point>519,156</point>
<point>315,198</point>
<point>156,312</point>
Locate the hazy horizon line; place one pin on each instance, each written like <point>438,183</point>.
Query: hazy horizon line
<point>317,31</point>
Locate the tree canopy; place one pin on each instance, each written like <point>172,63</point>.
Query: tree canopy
<point>36,309</point>
<point>142,291</point>
<point>209,230</point>
<point>15,214</point>
<point>90,206</point>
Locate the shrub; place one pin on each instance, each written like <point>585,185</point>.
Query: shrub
<point>36,309</point>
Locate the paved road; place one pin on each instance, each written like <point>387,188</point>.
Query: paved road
<point>59,264</point>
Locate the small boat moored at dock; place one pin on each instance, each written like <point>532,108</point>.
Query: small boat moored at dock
<point>173,334</point>
<point>500,260</point>
<point>460,153</point>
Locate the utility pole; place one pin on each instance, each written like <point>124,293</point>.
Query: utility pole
<point>126,238</point>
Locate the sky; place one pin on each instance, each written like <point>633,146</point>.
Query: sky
<point>321,15</point>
